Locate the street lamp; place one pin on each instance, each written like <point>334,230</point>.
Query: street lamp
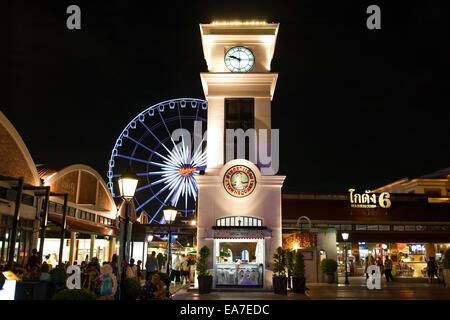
<point>170,213</point>
<point>345,237</point>
<point>127,187</point>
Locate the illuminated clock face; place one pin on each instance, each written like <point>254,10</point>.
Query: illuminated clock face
<point>239,59</point>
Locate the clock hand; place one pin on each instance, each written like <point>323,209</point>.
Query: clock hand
<point>235,58</point>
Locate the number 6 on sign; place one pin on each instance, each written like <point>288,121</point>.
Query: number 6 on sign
<point>374,280</point>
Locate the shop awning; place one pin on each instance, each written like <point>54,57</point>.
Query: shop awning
<point>238,233</point>
<point>81,226</point>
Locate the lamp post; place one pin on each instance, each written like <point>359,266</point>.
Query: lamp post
<point>170,212</point>
<point>345,237</point>
<point>127,187</point>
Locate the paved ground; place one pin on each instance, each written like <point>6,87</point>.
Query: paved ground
<point>356,290</point>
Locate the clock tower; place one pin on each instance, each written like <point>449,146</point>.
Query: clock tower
<point>239,197</point>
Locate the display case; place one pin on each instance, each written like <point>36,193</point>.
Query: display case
<point>226,274</point>
<point>234,274</point>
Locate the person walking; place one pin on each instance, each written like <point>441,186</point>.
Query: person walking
<point>185,272</point>
<point>176,269</point>
<point>131,271</point>
<point>139,270</point>
<point>366,265</point>
<point>432,270</point>
<point>388,269</point>
<point>114,264</point>
<point>34,259</point>
<point>151,265</point>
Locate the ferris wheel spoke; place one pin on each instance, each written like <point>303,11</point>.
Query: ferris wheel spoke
<point>132,158</point>
<point>164,123</point>
<point>169,134</point>
<point>152,173</point>
<point>152,197</point>
<point>167,178</point>
<point>176,196</point>
<point>140,144</point>
<point>162,165</point>
<point>185,196</point>
<point>179,116</point>
<point>156,214</point>
<point>192,189</point>
<point>154,136</point>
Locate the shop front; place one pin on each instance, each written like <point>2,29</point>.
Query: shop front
<point>409,260</point>
<point>239,262</point>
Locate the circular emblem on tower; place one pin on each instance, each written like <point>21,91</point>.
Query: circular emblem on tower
<point>239,181</point>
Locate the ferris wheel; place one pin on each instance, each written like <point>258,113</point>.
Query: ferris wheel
<point>165,147</point>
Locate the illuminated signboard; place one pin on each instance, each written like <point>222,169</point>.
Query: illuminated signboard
<point>369,200</point>
<point>239,181</point>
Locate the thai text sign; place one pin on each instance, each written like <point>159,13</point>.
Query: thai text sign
<point>369,200</point>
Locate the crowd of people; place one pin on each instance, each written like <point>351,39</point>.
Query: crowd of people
<point>432,268</point>
<point>92,274</point>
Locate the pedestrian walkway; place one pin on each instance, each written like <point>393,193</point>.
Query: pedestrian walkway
<point>356,290</point>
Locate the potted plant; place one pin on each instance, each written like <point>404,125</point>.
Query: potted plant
<point>2,280</point>
<point>298,273</point>
<point>289,256</point>
<point>204,277</point>
<point>446,270</point>
<point>74,294</point>
<point>328,267</point>
<point>279,278</point>
<point>132,289</point>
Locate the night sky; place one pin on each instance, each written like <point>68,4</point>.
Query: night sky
<point>355,107</point>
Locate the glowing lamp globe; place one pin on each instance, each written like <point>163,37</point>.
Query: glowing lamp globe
<point>170,212</point>
<point>150,238</point>
<point>345,236</point>
<point>127,184</point>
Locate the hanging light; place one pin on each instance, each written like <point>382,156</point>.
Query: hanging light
<point>170,212</point>
<point>127,184</point>
<point>150,238</point>
<point>345,236</point>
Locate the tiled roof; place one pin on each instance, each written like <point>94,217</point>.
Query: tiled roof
<point>47,170</point>
<point>437,174</point>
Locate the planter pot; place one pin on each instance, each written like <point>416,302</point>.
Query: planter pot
<point>298,284</point>
<point>32,290</point>
<point>2,280</point>
<point>279,285</point>
<point>204,284</point>
<point>446,274</point>
<point>329,277</point>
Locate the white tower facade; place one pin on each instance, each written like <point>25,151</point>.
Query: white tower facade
<point>239,209</point>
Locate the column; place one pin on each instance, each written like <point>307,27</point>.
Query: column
<point>144,256</point>
<point>393,250</point>
<point>215,133</point>
<point>430,251</point>
<point>92,246</point>
<point>113,247</point>
<point>73,239</point>
<point>355,253</point>
<point>121,244</point>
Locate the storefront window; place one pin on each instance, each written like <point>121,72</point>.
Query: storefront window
<point>239,222</point>
<point>239,262</point>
